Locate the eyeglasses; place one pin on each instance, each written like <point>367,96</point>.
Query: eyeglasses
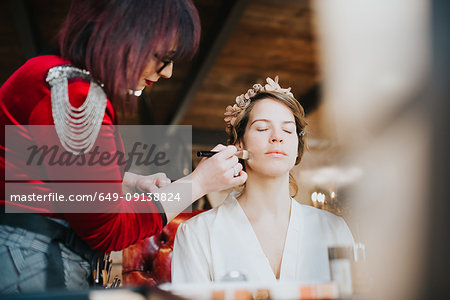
<point>166,62</point>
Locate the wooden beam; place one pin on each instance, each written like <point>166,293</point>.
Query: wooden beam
<point>201,69</point>
<point>23,26</point>
<point>208,138</point>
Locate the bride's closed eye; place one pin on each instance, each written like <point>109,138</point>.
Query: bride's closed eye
<point>289,128</point>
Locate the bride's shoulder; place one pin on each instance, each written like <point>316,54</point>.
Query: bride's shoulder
<point>203,220</point>
<point>201,217</point>
<point>308,210</point>
<point>207,219</point>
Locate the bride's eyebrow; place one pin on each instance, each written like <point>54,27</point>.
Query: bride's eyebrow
<point>259,120</point>
<point>268,121</point>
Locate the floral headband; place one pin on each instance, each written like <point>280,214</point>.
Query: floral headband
<point>242,101</point>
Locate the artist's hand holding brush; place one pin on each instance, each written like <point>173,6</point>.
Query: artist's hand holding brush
<point>220,171</point>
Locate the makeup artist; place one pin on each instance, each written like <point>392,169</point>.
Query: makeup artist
<point>109,50</point>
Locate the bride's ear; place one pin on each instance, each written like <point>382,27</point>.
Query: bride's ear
<point>239,145</point>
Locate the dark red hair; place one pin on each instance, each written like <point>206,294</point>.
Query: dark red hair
<point>115,39</point>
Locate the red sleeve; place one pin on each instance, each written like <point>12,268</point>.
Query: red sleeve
<point>106,231</point>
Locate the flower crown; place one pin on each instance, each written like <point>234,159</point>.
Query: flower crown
<point>242,101</point>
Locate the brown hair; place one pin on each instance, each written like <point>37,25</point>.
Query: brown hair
<point>236,132</point>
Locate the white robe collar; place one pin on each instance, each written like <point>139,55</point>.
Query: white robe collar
<point>253,252</point>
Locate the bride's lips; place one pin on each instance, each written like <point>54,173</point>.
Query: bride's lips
<point>276,153</point>
<point>148,82</point>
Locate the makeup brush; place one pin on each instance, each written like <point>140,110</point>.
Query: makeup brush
<point>241,154</point>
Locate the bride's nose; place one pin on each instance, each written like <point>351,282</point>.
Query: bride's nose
<point>276,137</point>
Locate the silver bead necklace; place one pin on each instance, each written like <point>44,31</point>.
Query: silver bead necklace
<point>77,128</point>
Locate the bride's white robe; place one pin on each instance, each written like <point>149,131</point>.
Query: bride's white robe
<point>221,240</point>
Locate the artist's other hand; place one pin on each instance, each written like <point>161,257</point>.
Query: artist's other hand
<point>134,183</point>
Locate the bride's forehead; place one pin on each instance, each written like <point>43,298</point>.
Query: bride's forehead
<point>271,109</point>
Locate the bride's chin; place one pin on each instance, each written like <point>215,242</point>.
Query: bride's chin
<point>270,168</point>
<point>270,172</point>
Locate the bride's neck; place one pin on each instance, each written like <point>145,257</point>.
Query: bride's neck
<point>264,195</point>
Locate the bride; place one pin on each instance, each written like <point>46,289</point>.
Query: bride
<point>262,232</point>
